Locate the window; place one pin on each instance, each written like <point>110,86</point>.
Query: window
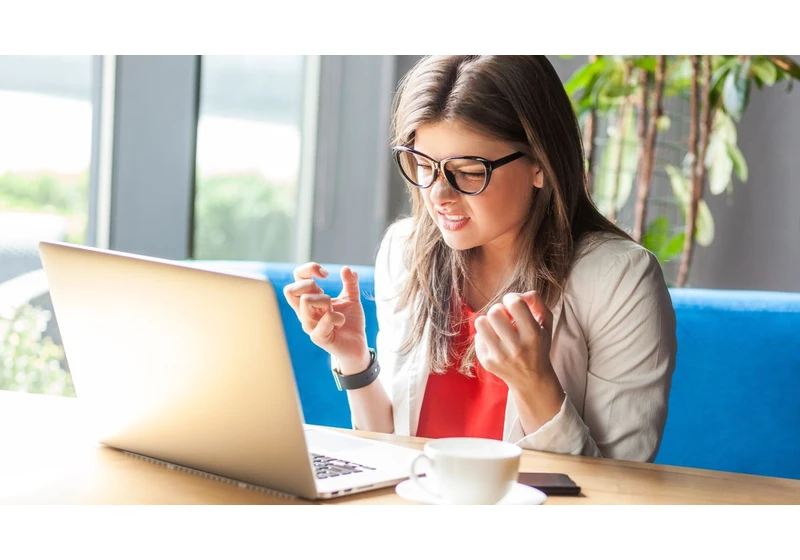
<point>248,157</point>
<point>46,120</point>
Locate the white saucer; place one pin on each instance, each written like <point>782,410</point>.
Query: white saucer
<point>519,495</point>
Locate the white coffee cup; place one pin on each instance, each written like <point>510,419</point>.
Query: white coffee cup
<point>464,470</point>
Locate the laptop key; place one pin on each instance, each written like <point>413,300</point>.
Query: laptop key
<point>329,467</point>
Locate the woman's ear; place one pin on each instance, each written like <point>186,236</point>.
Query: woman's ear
<point>538,177</point>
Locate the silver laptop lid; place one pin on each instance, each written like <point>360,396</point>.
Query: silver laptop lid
<point>181,364</point>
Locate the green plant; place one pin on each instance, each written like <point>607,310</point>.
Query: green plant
<point>631,94</point>
<point>29,361</point>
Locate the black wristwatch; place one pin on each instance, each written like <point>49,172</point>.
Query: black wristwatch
<point>357,380</point>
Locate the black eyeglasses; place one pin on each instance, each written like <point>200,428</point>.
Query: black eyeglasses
<point>468,175</point>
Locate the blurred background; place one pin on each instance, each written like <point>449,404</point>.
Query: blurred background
<point>287,159</point>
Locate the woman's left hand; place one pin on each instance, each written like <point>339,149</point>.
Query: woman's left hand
<point>513,339</point>
<point>513,342</point>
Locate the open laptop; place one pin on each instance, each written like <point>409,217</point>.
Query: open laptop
<point>191,367</point>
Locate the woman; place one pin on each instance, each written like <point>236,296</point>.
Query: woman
<point>508,306</point>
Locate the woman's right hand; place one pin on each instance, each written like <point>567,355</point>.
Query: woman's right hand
<point>337,325</point>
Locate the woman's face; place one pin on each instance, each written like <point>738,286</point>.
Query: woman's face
<point>491,220</point>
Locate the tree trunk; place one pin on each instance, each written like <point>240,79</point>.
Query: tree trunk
<point>698,165</point>
<point>649,152</point>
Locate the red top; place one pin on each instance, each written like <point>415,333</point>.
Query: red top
<point>455,405</point>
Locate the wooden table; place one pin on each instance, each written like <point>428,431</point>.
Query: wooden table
<point>47,459</point>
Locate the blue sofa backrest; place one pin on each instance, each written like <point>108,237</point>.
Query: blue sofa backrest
<point>735,398</point>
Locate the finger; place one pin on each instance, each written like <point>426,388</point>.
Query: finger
<point>500,320</point>
<point>309,270</point>
<point>350,289</point>
<point>323,333</point>
<point>540,311</point>
<point>292,292</point>
<point>316,305</point>
<point>522,316</point>
<point>312,308</point>
<point>484,328</point>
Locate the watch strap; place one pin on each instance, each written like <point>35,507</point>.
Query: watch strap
<point>358,380</point>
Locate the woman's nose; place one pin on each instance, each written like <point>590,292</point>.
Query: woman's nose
<point>441,191</point>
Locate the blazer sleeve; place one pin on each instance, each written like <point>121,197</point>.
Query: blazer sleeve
<point>630,332</point>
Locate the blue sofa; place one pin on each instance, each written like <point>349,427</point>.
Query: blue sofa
<point>735,398</point>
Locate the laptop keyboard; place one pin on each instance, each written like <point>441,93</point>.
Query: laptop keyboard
<point>328,467</point>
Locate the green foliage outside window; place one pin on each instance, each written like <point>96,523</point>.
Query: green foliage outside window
<point>29,361</point>
<point>243,218</point>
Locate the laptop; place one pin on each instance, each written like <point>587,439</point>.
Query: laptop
<point>190,367</point>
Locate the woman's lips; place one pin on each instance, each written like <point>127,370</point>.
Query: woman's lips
<point>453,222</point>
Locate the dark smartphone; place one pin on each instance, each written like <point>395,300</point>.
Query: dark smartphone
<point>552,484</point>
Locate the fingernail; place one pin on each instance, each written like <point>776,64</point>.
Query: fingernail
<point>323,272</point>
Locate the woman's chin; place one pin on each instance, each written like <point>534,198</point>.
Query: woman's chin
<point>456,241</point>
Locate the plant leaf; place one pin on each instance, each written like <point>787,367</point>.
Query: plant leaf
<point>734,93</point>
<point>765,71</point>
<point>786,64</point>
<point>718,159</point>
<point>739,163</point>
<point>645,63</point>
<point>704,226</point>
<point>588,98</point>
<point>658,240</point>
<point>720,167</point>
<point>673,247</point>
<point>656,235</point>
<point>613,90</point>
<point>582,77</point>
<point>719,76</point>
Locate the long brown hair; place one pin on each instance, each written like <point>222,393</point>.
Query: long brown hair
<point>519,99</point>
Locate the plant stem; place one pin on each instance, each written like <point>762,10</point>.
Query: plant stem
<point>641,128</point>
<point>698,164</point>
<point>589,134</point>
<point>649,153</point>
<point>621,128</point>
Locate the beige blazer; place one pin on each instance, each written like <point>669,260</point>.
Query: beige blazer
<point>613,350</point>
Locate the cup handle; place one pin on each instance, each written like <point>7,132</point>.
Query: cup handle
<point>418,479</point>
